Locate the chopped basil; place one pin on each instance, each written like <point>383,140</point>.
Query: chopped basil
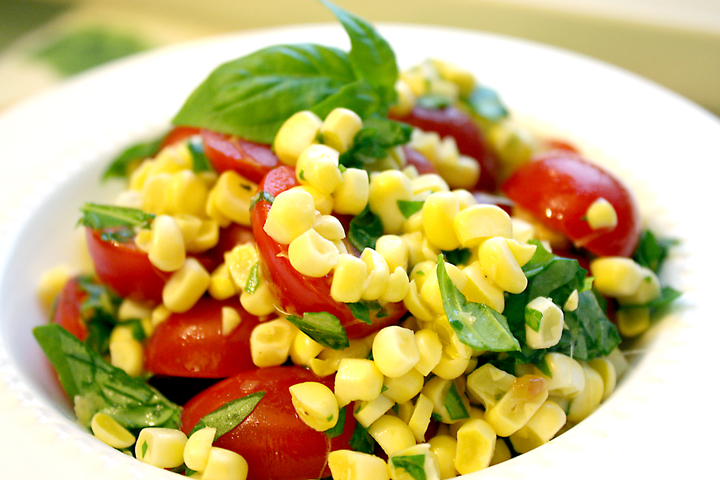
<point>230,415</point>
<point>337,430</point>
<point>414,465</point>
<point>99,313</point>
<point>361,441</point>
<point>459,256</point>
<point>362,310</point>
<point>434,101</point>
<point>453,404</point>
<point>374,141</point>
<point>118,223</point>
<point>259,197</point>
<point>323,327</point>
<point>486,103</point>
<point>253,280</point>
<point>123,164</point>
<point>652,251</point>
<point>533,318</point>
<point>144,449</point>
<point>200,162</point>
<point>365,229</point>
<point>410,207</point>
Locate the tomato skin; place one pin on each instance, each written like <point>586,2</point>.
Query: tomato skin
<point>178,134</point>
<point>274,441</point>
<point>249,159</point>
<point>191,344</point>
<point>470,140</point>
<point>559,186</point>
<point>419,161</point>
<point>66,311</point>
<point>299,293</point>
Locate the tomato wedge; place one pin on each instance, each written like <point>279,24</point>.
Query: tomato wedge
<point>299,293</point>
<point>249,159</point>
<point>559,186</point>
<point>275,442</point>
<point>178,134</point>
<point>67,309</point>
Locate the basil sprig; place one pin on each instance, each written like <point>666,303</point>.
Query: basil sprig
<point>118,223</point>
<point>123,164</point>
<point>230,415</point>
<point>323,327</point>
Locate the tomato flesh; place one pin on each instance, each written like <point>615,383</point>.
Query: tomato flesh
<point>249,159</point>
<point>67,310</point>
<point>558,187</point>
<point>274,441</point>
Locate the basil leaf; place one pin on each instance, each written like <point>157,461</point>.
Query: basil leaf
<point>454,405</point>
<point>365,229</point>
<point>200,162</point>
<point>96,386</point>
<point>374,141</point>
<point>362,310</point>
<point>408,208</point>
<point>459,256</point>
<point>475,324</point>
<point>486,103</point>
<point>434,101</point>
<point>230,415</point>
<point>652,251</point>
<point>533,318</point>
<point>323,327</point>
<point>99,312</point>
<point>253,280</point>
<point>337,430</point>
<point>361,441</point>
<point>123,164</point>
<point>123,220</point>
<point>414,465</point>
<point>259,197</point>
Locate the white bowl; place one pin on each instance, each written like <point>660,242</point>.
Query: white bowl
<point>666,148</point>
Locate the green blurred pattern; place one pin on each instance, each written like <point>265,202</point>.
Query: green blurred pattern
<point>18,17</point>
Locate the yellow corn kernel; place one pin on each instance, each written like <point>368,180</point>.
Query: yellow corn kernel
<point>159,315</point>
<point>475,412</point>
<point>367,412</point>
<point>161,447</point>
<point>540,429</point>
<point>329,227</point>
<point>189,226</point>
<point>572,302</point>
<point>459,76</point>
<point>392,434</point>
<point>617,358</point>
<point>632,322</point>
<point>378,274</point>
<point>421,416</point>
<point>522,252</point>
<point>315,404</point>
<point>312,255</point>
<point>405,387</point>
<point>605,368</point>
<point>450,367</point>
<point>430,349</point>
<point>415,305</point>
<point>167,249</point>
<point>110,432</point>
<point>394,351</point>
<point>386,188</point>
<point>52,283</point>
<point>232,196</point>
<point>616,276</point>
<point>480,289</point>
<point>213,212</point>
<point>463,173</point>
<point>225,464</point>
<point>292,214</point>
<point>437,389</point>
<point>318,166</point>
<point>197,449</point>
<point>428,183</point>
<point>444,447</point>
<point>357,379</point>
<point>221,285</point>
<point>548,321</point>
<point>206,237</point>
<point>339,128</point>
<point>475,446</point>
<point>523,231</point>
<point>127,354</point>
<point>304,349</point>
<point>487,385</point>
<point>186,193</point>
<point>323,201</point>
<point>519,403</point>
<point>240,261</point>
<point>230,320</point>
<point>405,98</point>
<point>398,286</point>
<point>589,398</point>
<point>351,465</point>
<point>394,250</point>
<point>601,214</point>
<point>351,196</point>
<point>358,348</point>
<point>262,301</point>
<point>498,262</point>
<point>648,290</point>
<point>185,286</point>
<point>348,279</point>
<point>429,467</point>
<point>502,452</point>
<point>512,143</point>
<point>295,135</point>
<point>430,290</point>
<point>153,193</point>
<point>566,375</point>
<point>438,213</point>
<point>270,342</point>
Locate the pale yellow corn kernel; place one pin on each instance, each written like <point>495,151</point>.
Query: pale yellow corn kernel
<point>616,276</point>
<point>430,290</point>
<point>225,464</point>
<point>589,398</point>
<point>323,201</point>
<point>617,357</point>
<point>296,134</point>
<point>404,411</point>
<point>422,271</point>
<point>502,452</point>
<point>159,315</point>
<point>173,158</point>
<point>185,193</point>
<point>648,290</point>
<point>523,231</point>
<point>291,214</point>
<point>572,302</point>
<point>464,173</point>
<point>566,374</point>
<point>550,321</point>
<point>329,227</point>
<point>430,350</point>
<point>139,175</point>
<point>428,183</point>
<point>240,261</point>
<point>633,321</point>
<point>185,286</point>
<point>512,143</point>
<point>206,238</point>
<point>270,342</point>
<point>232,196</point>
<point>222,285</point>
<point>197,449</point>
<point>261,302</point>
<point>605,368</point>
<point>189,225</point>
<point>452,346</point>
<point>436,389</point>
<point>398,286</point>
<point>405,99</point>
<point>348,279</point>
<point>601,215</point>
<point>522,252</point>
<point>445,447</point>
<point>367,412</point>
<point>213,212</point>
<point>475,412</point>
<point>358,348</point>
<point>438,213</point>
<point>351,196</point>
<point>392,434</point>
<point>127,355</point>
<point>304,349</point>
<point>52,283</point>
<point>351,465</point>
<point>378,274</point>
<point>519,403</point>
<point>498,262</point>
<point>386,188</point>
<point>478,222</point>
<point>405,387</point>
<point>339,128</point>
<point>315,404</point>
<point>413,225</point>
<point>415,305</point>
<point>421,416</point>
<point>423,460</point>
<point>540,429</point>
<point>450,367</point>
<point>110,432</point>
<point>230,320</point>
<point>131,309</point>
<point>312,255</point>
<point>415,79</point>
<point>394,250</point>
<point>394,351</point>
<point>167,249</point>
<point>161,447</point>
<point>322,367</point>
<point>318,167</point>
<point>153,193</point>
<point>475,446</point>
<point>480,289</point>
<point>357,379</point>
<point>464,79</point>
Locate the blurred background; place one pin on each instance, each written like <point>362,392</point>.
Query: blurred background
<point>675,43</point>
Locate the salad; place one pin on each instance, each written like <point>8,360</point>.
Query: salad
<point>332,268</point>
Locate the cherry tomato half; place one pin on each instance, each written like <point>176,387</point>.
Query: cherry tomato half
<point>177,135</point>
<point>299,293</point>
<point>226,152</point>
<point>275,442</point>
<point>66,311</point>
<point>559,186</point>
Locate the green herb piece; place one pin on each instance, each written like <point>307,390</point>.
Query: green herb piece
<point>253,280</point>
<point>414,465</point>
<point>459,256</point>
<point>118,223</point>
<point>323,327</point>
<point>337,430</point>
<point>667,296</point>
<point>144,449</point>
<point>434,101</point>
<point>99,313</point>
<point>259,197</point>
<point>486,103</point>
<point>374,141</point>
<point>230,415</point>
<point>365,229</point>
<point>123,164</point>
<point>533,318</point>
<point>362,310</point>
<point>96,386</point>
<point>408,208</point>
<point>652,251</point>
<point>475,324</point>
<point>453,404</point>
<point>200,162</point>
<point>361,441</point>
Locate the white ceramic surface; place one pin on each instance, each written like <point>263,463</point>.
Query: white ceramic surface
<point>54,146</point>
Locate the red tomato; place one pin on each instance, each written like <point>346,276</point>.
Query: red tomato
<point>191,344</point>
<point>299,293</point>
<point>275,442</point>
<point>251,160</point>
<point>66,312</point>
<point>178,134</point>
<point>419,161</point>
<point>558,187</point>
<point>453,122</point>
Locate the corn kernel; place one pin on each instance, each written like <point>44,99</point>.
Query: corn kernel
<point>110,432</point>
<point>351,196</point>
<point>487,385</point>
<point>394,250</point>
<point>161,447</point>
<point>463,173</point>
<point>349,279</point>
<point>225,464</point>
<point>428,183</point>
<point>167,249</point>
<point>323,201</point>
<point>406,98</point>
<point>52,283</point>
<point>546,323</point>
<point>415,305</point>
<point>589,398</point>
<point>475,446</point>
<point>304,349</point>
<point>601,214</point>
<point>369,411</point>
<point>206,237</point>
<point>295,135</point>
<point>429,468</point>
<point>386,188</point>
<point>392,434</point>
<point>312,255</point>
<point>498,262</point>
<point>648,290</point>
<point>185,193</point>
<point>566,375</point>
<point>185,286</point>
<point>522,252</point>
<point>127,355</point>
<point>232,196</point>
<point>357,379</point>
<point>240,261</point>
<point>329,227</point>
<point>230,320</point>
<point>519,403</point>
<point>437,390</point>
<point>261,302</point>
<point>292,214</point>
<point>438,213</point>
<point>523,231</point>
<point>421,416</point>
<point>480,289</point>
<point>605,368</point>
<point>540,429</point>
<point>351,465</point>
<point>502,452</point>
<point>378,274</point>
<point>197,449</point>
<point>394,351</point>
<point>616,276</point>
<point>398,286</point>
<point>270,342</point>
<point>445,448</point>
<point>632,322</point>
<point>315,404</point>
<point>339,128</point>
<point>430,290</point>
<point>430,350</point>
<point>617,358</point>
<point>460,77</point>
<point>405,387</point>
<point>222,285</point>
<point>318,166</point>
<point>450,367</point>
